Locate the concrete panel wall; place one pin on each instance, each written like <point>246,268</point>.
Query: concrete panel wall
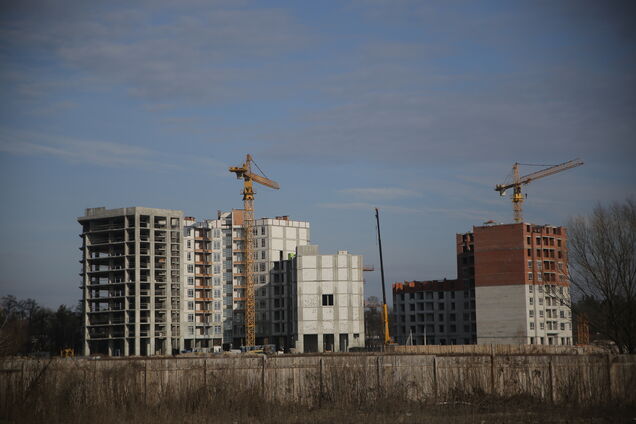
<point>502,314</point>
<point>311,379</point>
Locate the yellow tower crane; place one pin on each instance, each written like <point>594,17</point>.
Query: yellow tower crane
<point>517,182</point>
<point>245,172</point>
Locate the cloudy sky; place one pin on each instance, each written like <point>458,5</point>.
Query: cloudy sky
<point>418,108</point>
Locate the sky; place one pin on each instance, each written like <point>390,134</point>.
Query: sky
<point>418,108</point>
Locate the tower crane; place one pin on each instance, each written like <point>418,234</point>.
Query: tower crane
<point>245,172</point>
<point>517,182</point>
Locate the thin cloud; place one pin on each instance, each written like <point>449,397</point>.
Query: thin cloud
<point>102,153</point>
<point>368,206</point>
<point>471,214</point>
<point>379,193</point>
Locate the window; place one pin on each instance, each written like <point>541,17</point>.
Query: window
<point>530,278</point>
<point>327,300</point>
<point>440,295</point>
<point>217,281</point>
<point>528,240</point>
<point>532,326</point>
<point>190,293</point>
<point>529,264</point>
<point>540,314</point>
<point>217,293</point>
<point>190,268</point>
<point>190,317</point>
<point>529,252</point>
<point>531,288</point>
<point>189,255</point>
<point>190,305</point>
<point>532,301</point>
<point>189,244</point>
<point>562,314</point>
<point>562,326</point>
<point>440,306</point>
<point>190,281</point>
<point>441,328</point>
<point>531,313</point>
<point>541,326</point>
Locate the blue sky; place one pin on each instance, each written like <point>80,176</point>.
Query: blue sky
<point>419,108</point>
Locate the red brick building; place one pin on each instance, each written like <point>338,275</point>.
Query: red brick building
<point>511,288</point>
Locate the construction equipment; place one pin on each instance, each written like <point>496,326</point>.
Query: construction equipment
<point>385,308</point>
<point>245,172</point>
<point>67,353</point>
<point>517,182</point>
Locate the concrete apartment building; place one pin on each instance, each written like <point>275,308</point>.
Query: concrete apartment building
<point>434,312</point>
<point>328,300</point>
<point>156,282</point>
<point>515,282</point>
<point>215,274</point>
<point>131,280</point>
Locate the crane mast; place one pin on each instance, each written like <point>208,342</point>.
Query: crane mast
<point>517,182</point>
<point>245,172</point>
<point>385,308</point>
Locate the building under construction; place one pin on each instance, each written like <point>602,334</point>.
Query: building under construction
<point>512,287</point>
<point>155,282</point>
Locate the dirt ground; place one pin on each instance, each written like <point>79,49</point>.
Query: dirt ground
<point>456,413</point>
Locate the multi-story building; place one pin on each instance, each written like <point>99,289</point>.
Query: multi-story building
<point>215,258</point>
<point>434,312</point>
<point>521,284</point>
<point>326,294</point>
<point>515,289</point>
<point>131,280</point>
<point>156,283</point>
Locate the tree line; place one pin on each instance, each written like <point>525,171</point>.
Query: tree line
<point>27,328</point>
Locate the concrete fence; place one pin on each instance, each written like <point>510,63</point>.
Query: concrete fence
<point>352,379</point>
<point>497,349</point>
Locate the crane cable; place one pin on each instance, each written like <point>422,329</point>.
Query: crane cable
<point>259,168</point>
<point>508,179</point>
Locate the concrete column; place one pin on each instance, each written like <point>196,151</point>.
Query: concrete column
<point>151,303</point>
<point>137,278</point>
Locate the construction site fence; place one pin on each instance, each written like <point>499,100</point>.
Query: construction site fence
<point>346,379</point>
<point>497,349</point>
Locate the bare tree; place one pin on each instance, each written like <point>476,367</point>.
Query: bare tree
<point>602,251</point>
